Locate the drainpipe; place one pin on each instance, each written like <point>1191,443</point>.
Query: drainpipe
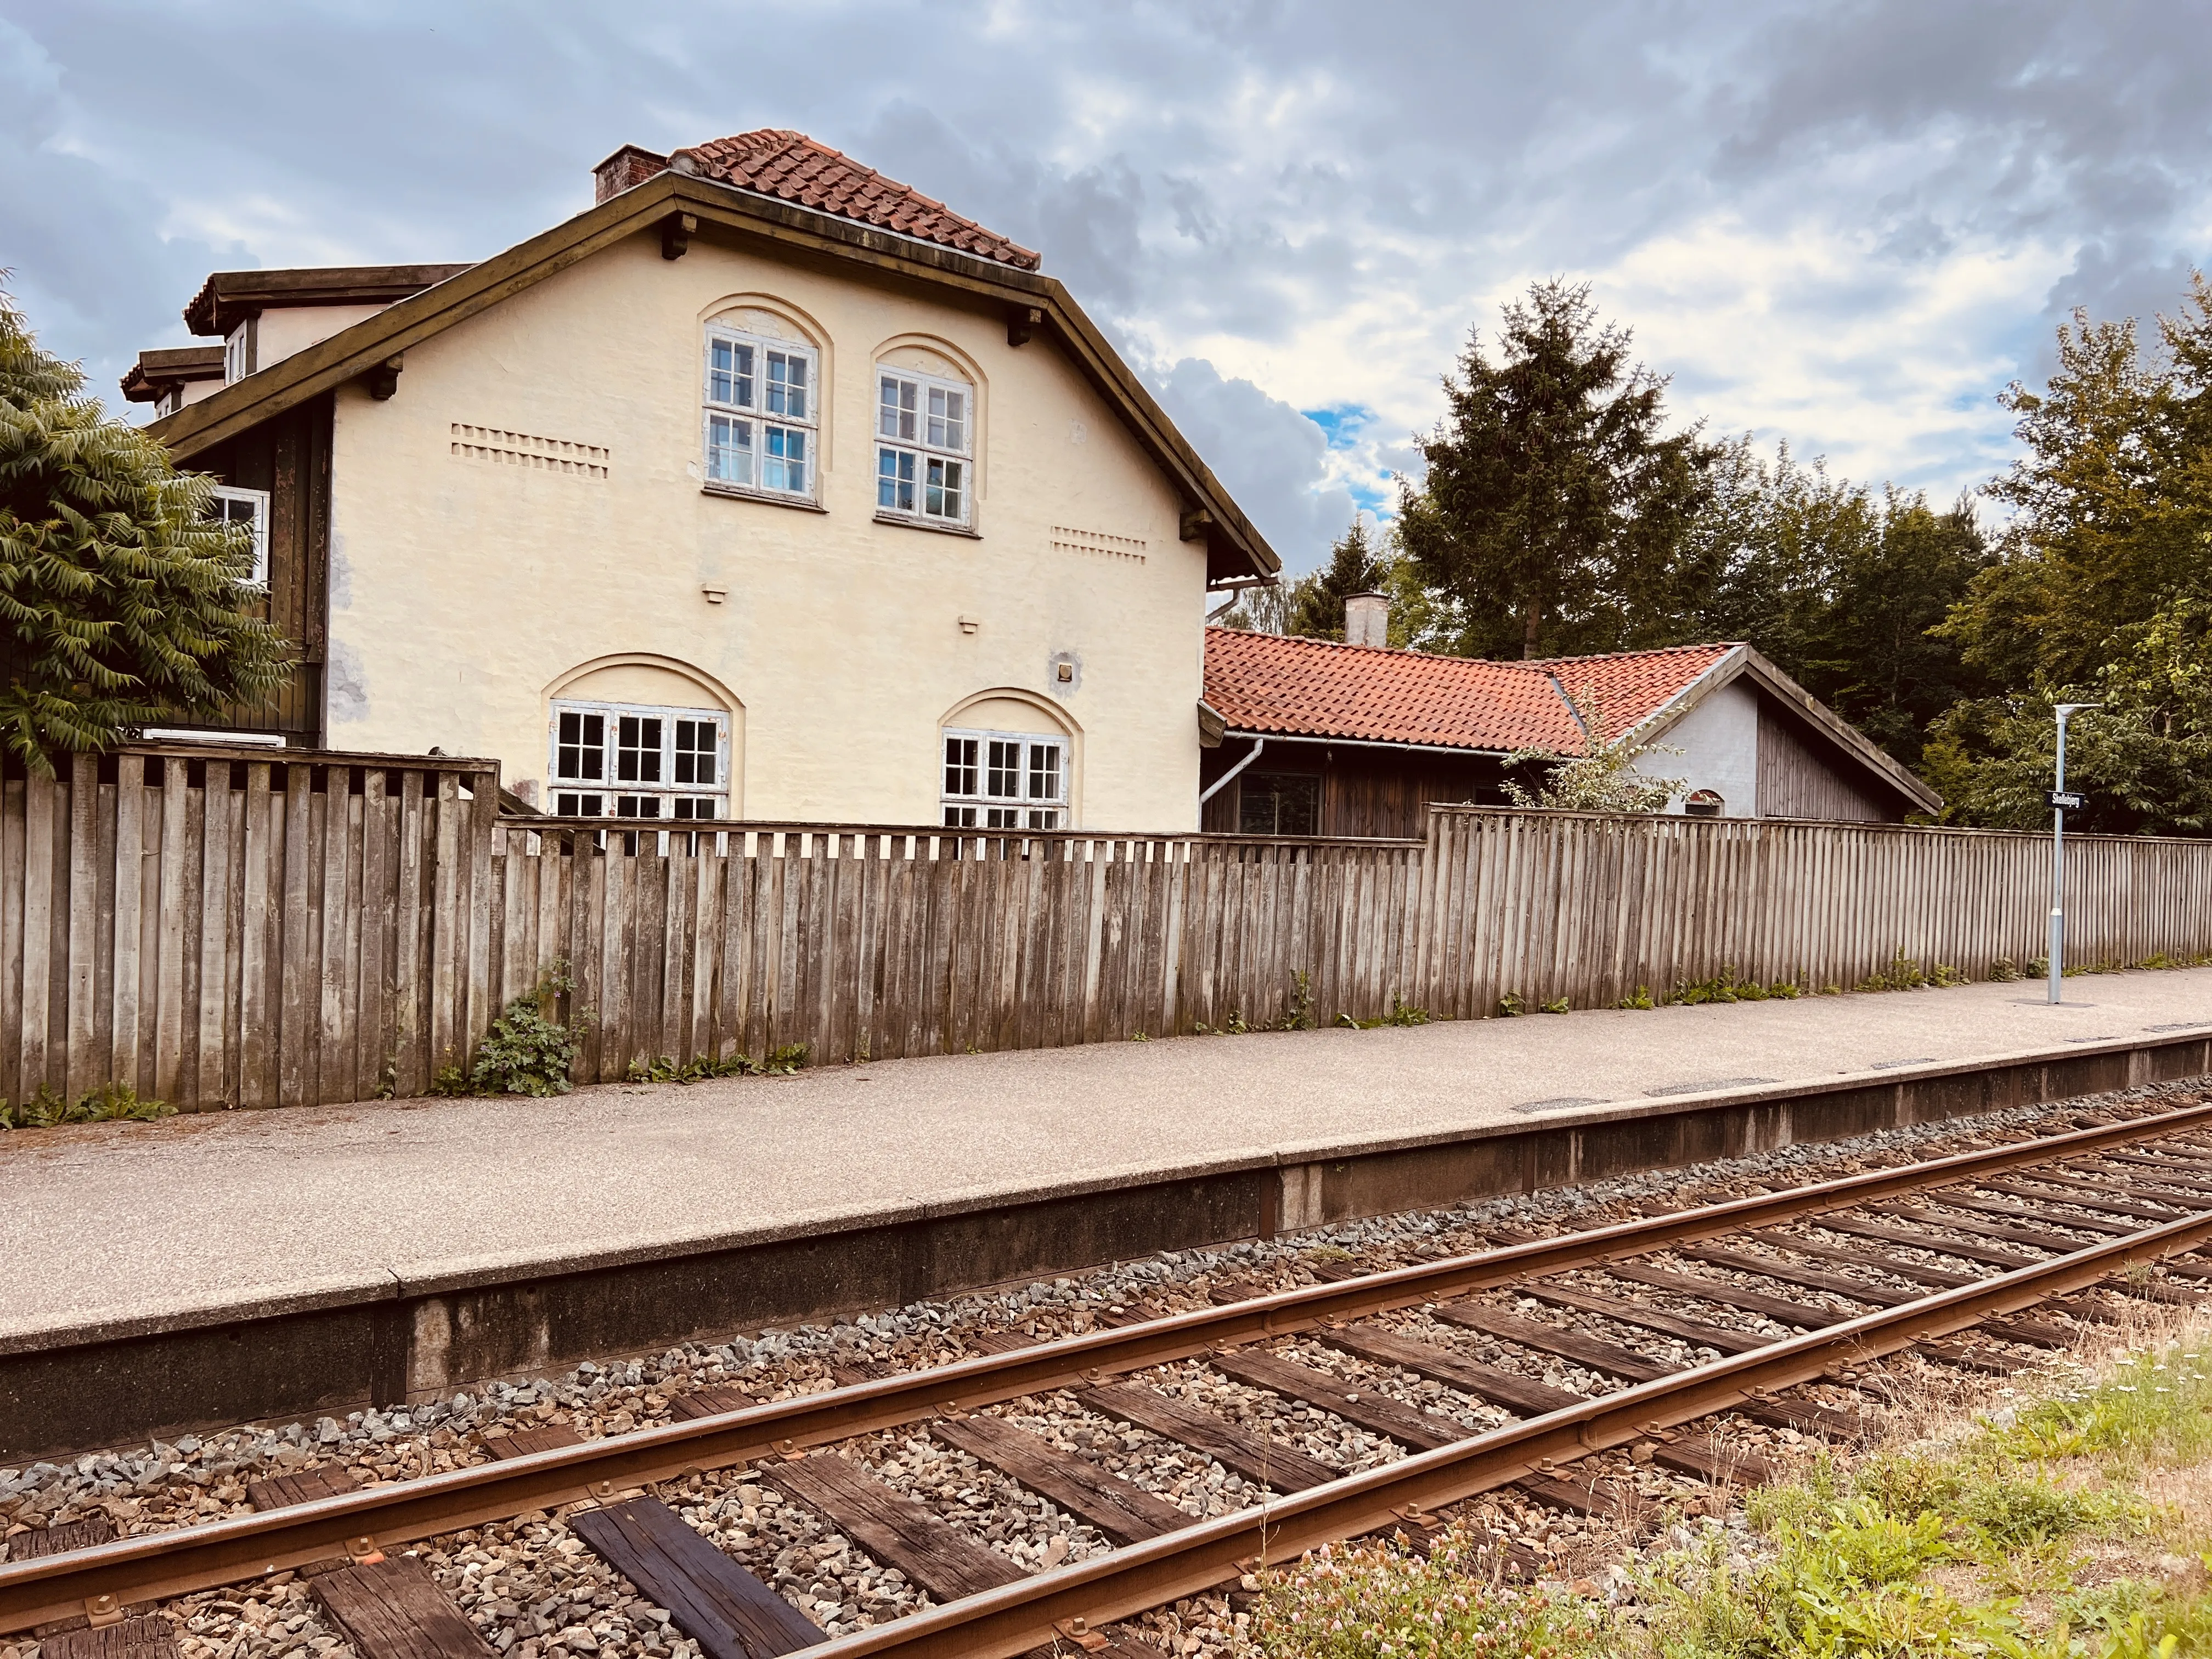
<point>1228,777</point>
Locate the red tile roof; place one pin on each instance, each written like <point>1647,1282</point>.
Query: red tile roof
<point>1313,688</point>
<point>793,168</point>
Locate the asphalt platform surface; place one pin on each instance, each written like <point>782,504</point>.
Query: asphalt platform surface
<point>112,1228</point>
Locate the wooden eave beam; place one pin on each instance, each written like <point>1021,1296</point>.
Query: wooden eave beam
<point>356,351</point>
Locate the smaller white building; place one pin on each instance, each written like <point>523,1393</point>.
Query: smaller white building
<point>1321,739</point>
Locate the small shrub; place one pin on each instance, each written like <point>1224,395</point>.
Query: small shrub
<point>2002,972</point>
<point>1511,1006</point>
<point>1641,999</point>
<point>1298,1008</point>
<point>1903,973</point>
<point>1556,1006</point>
<point>1401,1013</point>
<point>525,1054</point>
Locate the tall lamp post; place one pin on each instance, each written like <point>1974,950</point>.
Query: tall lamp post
<point>2060,801</point>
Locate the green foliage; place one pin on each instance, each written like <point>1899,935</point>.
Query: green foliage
<point>2104,593</point>
<point>120,604</point>
<point>111,1102</point>
<point>1511,1006</point>
<point>1601,778</point>
<point>1903,973</point>
<point>784,1061</point>
<point>2156,1404</point>
<point>1401,1013</point>
<point>1367,1602</point>
<point>1316,603</point>
<point>1553,506</point>
<point>1838,586</point>
<point>526,1052</point>
<point>1298,1013</point>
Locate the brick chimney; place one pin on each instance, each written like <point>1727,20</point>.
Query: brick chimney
<point>1367,620</point>
<point>627,166</point>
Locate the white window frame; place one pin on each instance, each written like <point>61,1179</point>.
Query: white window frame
<point>746,406</point>
<point>966,777</point>
<point>666,798</point>
<point>257,500</point>
<point>914,449</point>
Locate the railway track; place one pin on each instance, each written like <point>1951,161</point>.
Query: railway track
<point>1774,1307</point>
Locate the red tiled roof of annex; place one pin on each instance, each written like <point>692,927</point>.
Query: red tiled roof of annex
<point>1268,683</point>
<point>793,168</point>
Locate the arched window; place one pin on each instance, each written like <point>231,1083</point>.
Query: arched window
<point>925,441</point>
<point>637,740</point>
<point>762,414</point>
<point>1008,765</point>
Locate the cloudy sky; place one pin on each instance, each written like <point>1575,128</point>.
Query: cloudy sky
<point>1843,226</point>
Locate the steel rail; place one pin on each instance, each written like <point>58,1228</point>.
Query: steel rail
<point>163,1565</point>
<point>1023,1615</point>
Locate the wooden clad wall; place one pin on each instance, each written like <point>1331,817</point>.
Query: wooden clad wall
<point>220,927</point>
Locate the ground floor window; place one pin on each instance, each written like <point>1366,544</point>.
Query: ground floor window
<point>1278,804</point>
<point>613,759</point>
<point>1005,780</point>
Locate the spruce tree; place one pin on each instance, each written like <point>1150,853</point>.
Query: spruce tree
<point>1316,604</point>
<point>120,602</point>
<point>1555,505</point>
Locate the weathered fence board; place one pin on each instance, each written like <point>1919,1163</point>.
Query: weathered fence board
<point>219,927</point>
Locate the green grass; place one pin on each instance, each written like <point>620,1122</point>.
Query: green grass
<point>1376,1602</point>
<point>2023,1535</point>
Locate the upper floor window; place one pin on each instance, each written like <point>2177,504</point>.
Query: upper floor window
<point>232,505</point>
<point>762,414</point>
<point>1005,780</point>
<point>631,761</point>
<point>925,436</point>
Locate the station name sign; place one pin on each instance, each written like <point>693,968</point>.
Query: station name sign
<point>2066,800</point>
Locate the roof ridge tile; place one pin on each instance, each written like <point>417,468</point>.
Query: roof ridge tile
<point>794,167</point>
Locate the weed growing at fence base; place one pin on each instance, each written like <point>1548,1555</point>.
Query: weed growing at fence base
<point>777,1062</point>
<point>111,1102</point>
<point>1297,1016</point>
<point>526,1052</point>
<point>1402,1012</point>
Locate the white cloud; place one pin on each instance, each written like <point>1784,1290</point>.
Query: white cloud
<point>1845,226</point>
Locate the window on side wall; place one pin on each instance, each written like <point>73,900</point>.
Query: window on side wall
<point>619,760</point>
<point>1278,804</point>
<point>925,441</point>
<point>249,507</point>
<point>1005,780</point>
<point>762,414</point>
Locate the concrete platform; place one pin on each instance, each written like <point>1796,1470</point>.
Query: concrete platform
<point>209,1268</point>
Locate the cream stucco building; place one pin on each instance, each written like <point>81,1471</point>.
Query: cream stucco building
<point>766,490</point>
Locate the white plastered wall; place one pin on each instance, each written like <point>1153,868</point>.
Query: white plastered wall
<point>462,589</point>
<point>1719,741</point>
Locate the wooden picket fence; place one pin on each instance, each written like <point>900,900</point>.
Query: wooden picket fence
<point>222,927</point>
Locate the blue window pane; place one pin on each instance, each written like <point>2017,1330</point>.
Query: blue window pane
<point>729,373</point>
<point>729,450</point>
<point>894,481</point>
<point>784,464</point>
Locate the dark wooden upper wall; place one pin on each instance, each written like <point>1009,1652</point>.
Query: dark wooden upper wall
<point>1363,792</point>
<point>290,457</point>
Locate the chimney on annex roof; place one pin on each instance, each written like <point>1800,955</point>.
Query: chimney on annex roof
<point>1367,620</point>
<point>627,166</point>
